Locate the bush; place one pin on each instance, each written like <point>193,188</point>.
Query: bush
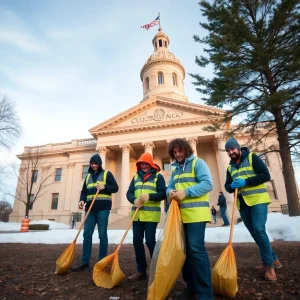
<point>38,226</point>
<point>239,220</point>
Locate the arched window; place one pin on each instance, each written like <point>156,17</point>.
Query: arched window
<point>160,43</point>
<point>160,78</point>
<point>174,79</point>
<point>147,84</point>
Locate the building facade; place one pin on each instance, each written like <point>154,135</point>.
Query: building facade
<point>163,114</point>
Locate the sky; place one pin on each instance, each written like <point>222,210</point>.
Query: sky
<point>69,65</point>
<point>279,227</point>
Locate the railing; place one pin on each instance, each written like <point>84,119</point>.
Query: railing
<point>87,142</point>
<point>61,146</point>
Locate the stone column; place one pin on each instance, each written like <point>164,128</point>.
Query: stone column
<point>223,163</point>
<point>149,146</point>
<point>193,142</point>
<point>68,191</point>
<point>102,152</point>
<point>125,180</point>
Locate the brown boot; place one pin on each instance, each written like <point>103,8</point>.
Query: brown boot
<point>270,274</point>
<point>137,276</point>
<point>276,263</point>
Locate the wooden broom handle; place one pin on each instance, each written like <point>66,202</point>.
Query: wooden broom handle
<point>232,216</point>
<point>87,213</point>
<point>129,225</point>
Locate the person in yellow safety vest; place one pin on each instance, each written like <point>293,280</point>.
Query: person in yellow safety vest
<point>101,179</point>
<point>147,189</point>
<point>190,184</point>
<point>248,173</point>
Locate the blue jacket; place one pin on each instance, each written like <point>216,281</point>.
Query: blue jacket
<point>203,175</point>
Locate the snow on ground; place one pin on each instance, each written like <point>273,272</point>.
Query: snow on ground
<point>10,226</point>
<point>279,226</point>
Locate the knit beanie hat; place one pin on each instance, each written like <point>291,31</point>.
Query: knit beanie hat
<point>232,143</point>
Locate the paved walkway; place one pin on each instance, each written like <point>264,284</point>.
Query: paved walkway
<point>123,223</point>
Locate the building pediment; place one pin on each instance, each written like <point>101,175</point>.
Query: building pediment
<point>157,112</point>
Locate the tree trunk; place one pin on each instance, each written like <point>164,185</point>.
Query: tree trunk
<point>287,168</point>
<point>27,211</point>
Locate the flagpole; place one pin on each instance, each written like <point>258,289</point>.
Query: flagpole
<point>159,20</point>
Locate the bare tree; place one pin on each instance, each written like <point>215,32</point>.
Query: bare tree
<point>5,209</point>
<point>10,128</point>
<point>2,170</point>
<point>32,179</point>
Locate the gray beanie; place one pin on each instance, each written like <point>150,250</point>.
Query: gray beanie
<point>232,143</point>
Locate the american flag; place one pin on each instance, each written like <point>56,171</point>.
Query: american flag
<point>153,23</point>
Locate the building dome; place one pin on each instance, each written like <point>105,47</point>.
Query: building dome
<point>162,73</point>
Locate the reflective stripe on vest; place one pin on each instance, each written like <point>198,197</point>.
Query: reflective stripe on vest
<point>252,195</point>
<point>92,187</point>
<point>150,211</point>
<point>192,209</point>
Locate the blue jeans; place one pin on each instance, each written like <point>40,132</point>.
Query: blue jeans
<point>141,229</point>
<point>196,269</point>
<point>224,216</point>
<point>255,218</point>
<point>101,219</point>
<point>214,218</point>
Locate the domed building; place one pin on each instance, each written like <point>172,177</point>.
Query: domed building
<point>163,114</point>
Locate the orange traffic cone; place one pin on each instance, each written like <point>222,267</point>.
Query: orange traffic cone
<point>25,225</point>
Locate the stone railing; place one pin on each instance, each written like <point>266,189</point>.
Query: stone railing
<point>61,146</point>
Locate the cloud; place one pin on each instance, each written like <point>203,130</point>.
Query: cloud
<point>49,79</point>
<point>21,40</point>
<point>61,34</point>
<point>14,31</point>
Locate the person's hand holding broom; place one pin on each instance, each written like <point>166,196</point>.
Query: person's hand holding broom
<point>138,203</point>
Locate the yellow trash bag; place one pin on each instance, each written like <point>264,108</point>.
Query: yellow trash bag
<point>168,256</point>
<point>107,272</point>
<point>65,261</point>
<point>224,273</point>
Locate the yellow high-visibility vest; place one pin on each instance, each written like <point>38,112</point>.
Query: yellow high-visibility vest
<point>92,186</point>
<point>192,209</point>
<point>252,195</point>
<point>150,211</point>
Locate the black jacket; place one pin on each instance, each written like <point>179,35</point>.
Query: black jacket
<point>259,167</point>
<point>160,188</point>
<point>222,201</point>
<point>110,187</point>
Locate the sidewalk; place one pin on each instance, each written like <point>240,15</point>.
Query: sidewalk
<point>123,223</point>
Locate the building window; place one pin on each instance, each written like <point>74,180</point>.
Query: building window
<point>174,78</point>
<point>34,175</point>
<point>166,165</point>
<point>58,174</point>
<point>147,85</point>
<point>160,43</point>
<point>31,201</point>
<point>272,190</point>
<point>54,203</point>
<point>166,44</point>
<point>160,78</point>
<point>85,171</point>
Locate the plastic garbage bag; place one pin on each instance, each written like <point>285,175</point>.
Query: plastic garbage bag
<point>168,256</point>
